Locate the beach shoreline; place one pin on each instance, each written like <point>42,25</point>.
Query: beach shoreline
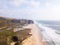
<point>35,31</point>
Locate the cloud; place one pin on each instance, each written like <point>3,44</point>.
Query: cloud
<point>31,9</point>
<point>17,2</point>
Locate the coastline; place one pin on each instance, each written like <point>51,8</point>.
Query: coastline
<point>37,38</point>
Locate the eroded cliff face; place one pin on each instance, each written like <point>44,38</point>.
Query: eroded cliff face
<point>28,41</point>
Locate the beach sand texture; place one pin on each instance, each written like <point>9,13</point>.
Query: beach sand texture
<point>36,38</point>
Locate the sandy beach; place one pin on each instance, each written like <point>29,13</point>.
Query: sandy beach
<point>36,38</point>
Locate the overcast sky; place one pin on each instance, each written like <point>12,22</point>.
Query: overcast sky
<point>31,9</point>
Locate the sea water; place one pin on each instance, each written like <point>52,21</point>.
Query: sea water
<point>51,24</point>
<point>48,30</point>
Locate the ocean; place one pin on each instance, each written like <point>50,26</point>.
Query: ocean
<point>52,24</point>
<point>50,31</point>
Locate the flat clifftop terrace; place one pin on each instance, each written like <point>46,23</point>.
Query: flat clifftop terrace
<point>13,22</point>
<point>7,26</point>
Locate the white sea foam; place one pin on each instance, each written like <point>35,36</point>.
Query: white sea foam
<point>49,34</point>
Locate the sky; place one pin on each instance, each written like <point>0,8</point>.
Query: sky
<point>31,9</point>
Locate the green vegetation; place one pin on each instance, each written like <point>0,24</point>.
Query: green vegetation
<point>5,35</point>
